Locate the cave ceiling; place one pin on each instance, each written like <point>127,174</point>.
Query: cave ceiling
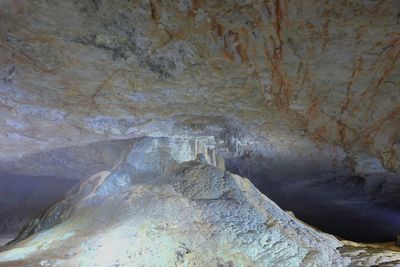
<point>293,74</point>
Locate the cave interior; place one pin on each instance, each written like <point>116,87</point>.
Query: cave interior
<point>199,133</point>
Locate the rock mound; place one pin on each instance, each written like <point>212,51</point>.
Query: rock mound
<point>197,215</point>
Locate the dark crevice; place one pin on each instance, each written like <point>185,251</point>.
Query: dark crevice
<point>356,208</point>
<point>22,197</point>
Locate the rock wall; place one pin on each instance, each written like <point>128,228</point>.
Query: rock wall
<point>73,162</point>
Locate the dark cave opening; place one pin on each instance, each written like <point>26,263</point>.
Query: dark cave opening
<point>23,196</point>
<point>352,207</point>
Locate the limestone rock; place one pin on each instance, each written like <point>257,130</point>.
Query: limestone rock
<point>200,215</point>
<point>306,87</point>
<point>195,215</point>
<point>121,69</point>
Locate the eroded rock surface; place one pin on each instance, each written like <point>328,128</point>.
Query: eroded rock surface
<point>75,72</point>
<point>196,215</point>
<point>308,87</point>
<point>31,184</point>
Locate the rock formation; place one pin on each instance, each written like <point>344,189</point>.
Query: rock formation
<point>300,96</point>
<point>194,215</point>
<point>154,209</point>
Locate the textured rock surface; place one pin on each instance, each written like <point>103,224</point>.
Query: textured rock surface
<point>78,162</point>
<point>385,255</point>
<point>39,180</point>
<point>79,71</point>
<point>310,88</point>
<point>198,215</point>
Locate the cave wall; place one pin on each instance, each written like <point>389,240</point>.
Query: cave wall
<point>75,72</point>
<point>73,162</point>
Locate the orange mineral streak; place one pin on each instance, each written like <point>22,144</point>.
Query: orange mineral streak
<point>242,51</point>
<point>325,35</point>
<point>195,6</point>
<point>341,132</point>
<point>356,71</point>
<point>281,88</point>
<point>313,108</point>
<point>216,27</point>
<point>278,25</point>
<point>319,135</point>
<point>391,117</point>
<point>392,56</point>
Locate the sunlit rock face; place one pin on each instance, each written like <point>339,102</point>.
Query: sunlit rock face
<point>197,215</point>
<point>31,184</point>
<point>160,155</point>
<point>194,215</point>
<point>140,159</point>
<point>118,69</point>
<point>152,208</point>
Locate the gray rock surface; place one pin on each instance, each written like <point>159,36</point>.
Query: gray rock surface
<point>198,215</point>
<point>306,87</point>
<point>73,162</point>
<point>75,72</point>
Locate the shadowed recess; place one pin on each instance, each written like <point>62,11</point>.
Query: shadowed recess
<point>363,209</point>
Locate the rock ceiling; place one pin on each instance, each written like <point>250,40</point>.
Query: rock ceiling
<point>75,72</point>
